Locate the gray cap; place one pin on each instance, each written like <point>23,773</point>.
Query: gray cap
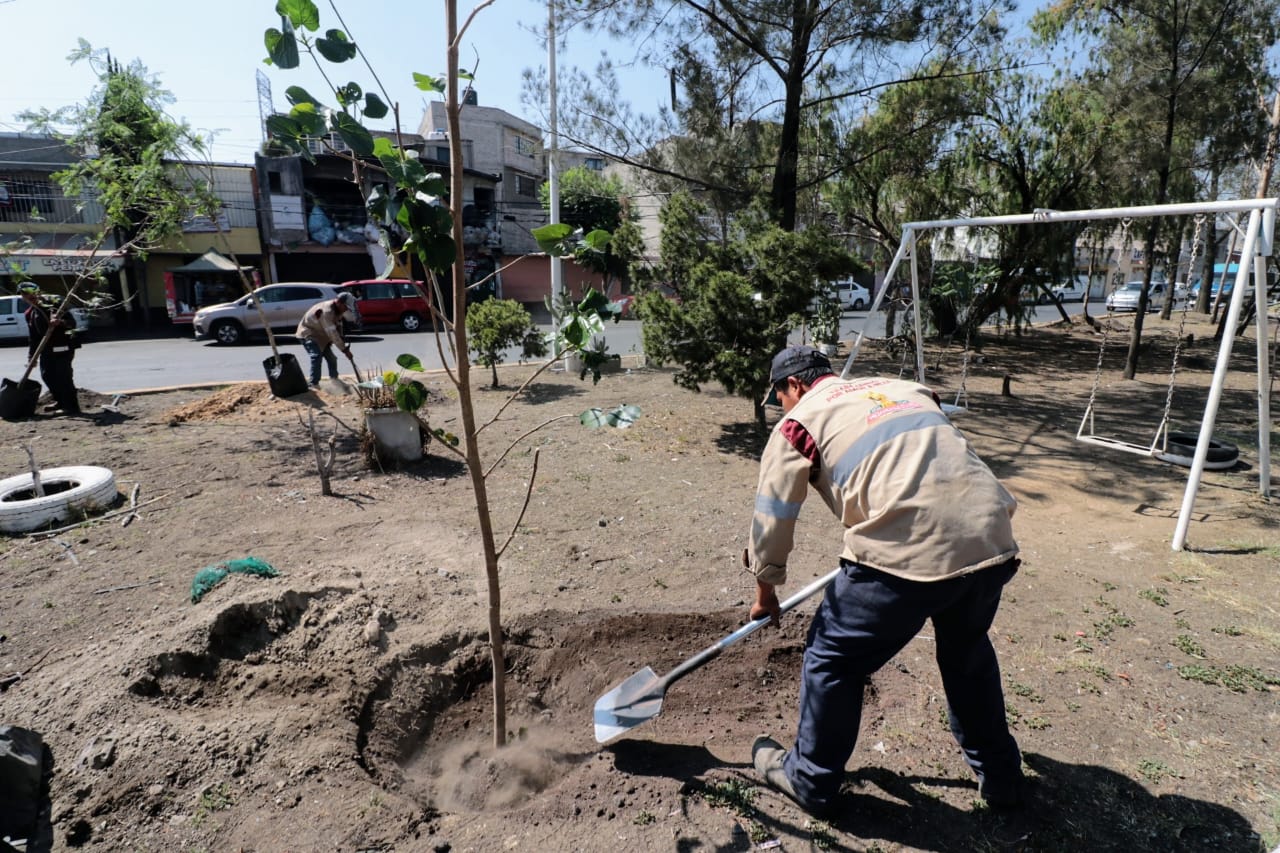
<point>789,362</point>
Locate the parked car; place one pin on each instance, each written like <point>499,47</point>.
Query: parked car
<point>1125,297</point>
<point>851,295</point>
<point>284,304</point>
<point>13,322</point>
<point>390,301</point>
<point>1073,290</point>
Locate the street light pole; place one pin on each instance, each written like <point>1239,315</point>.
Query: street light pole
<point>553,170</point>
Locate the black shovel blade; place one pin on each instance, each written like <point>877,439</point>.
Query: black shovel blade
<point>631,703</point>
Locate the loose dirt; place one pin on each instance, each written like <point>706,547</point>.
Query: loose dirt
<point>345,705</point>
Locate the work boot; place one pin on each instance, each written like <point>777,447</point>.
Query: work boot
<point>767,755</point>
<point>1008,796</point>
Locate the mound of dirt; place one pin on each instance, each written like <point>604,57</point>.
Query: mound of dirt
<point>219,404</point>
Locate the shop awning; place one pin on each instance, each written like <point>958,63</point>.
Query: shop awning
<point>211,261</point>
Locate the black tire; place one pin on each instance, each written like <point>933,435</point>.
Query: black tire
<point>858,305</point>
<point>411,321</point>
<point>1180,449</point>
<point>227,332</point>
<point>1044,298</point>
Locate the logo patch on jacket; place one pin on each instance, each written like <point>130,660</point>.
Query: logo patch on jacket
<point>885,406</point>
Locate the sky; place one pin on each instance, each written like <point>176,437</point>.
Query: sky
<point>207,54</point>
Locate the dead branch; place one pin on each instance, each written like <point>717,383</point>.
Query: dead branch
<point>125,587</point>
<point>36,487</point>
<point>133,506</point>
<point>45,534</point>
<point>528,493</point>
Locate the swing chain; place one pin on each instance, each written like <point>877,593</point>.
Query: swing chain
<point>1197,246</point>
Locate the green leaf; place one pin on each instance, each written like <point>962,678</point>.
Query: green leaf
<point>597,240</point>
<point>282,47</point>
<point>382,147</point>
<point>298,95</point>
<point>374,107</point>
<point>551,238</point>
<point>428,84</point>
<point>349,94</point>
<point>301,13</point>
<point>409,361</point>
<point>464,74</point>
<point>336,47</point>
<point>352,133</point>
<point>310,122</point>
<point>410,396</point>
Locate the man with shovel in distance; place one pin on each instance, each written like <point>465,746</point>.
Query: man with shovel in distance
<point>321,329</point>
<point>55,359</point>
<point>928,535</point>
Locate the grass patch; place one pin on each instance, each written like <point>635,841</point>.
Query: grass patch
<point>1037,723</point>
<point>1237,679</point>
<point>734,794</point>
<point>1154,771</point>
<point>1095,668</point>
<point>1025,692</point>
<point>821,836</point>
<point>1107,625</point>
<point>1158,596</point>
<point>644,818</point>
<point>1228,630</point>
<point>1187,644</point>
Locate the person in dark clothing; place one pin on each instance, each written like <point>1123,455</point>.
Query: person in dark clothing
<point>56,357</point>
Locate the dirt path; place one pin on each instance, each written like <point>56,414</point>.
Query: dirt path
<point>344,705</point>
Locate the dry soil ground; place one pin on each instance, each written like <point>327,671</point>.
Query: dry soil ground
<point>344,705</point>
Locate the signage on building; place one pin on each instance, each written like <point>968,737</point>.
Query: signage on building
<point>73,263</point>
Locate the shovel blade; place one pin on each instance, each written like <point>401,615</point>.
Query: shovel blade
<point>626,706</point>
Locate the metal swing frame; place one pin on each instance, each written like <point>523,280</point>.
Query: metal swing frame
<point>1257,245</point>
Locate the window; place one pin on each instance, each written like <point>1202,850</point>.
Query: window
<point>275,182</point>
<point>526,186</point>
<point>525,146</point>
<point>300,294</point>
<point>442,153</point>
<point>7,304</point>
<point>596,163</point>
<point>379,291</point>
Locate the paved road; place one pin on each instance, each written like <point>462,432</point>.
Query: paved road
<point>115,366</point>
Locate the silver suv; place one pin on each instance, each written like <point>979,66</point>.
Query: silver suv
<point>284,304</point>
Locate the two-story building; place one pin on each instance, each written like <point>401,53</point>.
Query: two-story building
<point>45,236</point>
<point>315,225</point>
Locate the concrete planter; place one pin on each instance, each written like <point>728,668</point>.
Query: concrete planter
<point>395,433</point>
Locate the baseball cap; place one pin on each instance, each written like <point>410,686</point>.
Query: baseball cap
<point>28,287</point>
<point>789,362</point>
<point>347,300</point>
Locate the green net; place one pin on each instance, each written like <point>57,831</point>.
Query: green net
<point>210,576</point>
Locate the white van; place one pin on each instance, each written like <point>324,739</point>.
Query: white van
<point>1072,290</point>
<point>13,321</point>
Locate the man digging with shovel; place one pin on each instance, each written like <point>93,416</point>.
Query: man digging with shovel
<point>928,535</point>
<point>321,329</point>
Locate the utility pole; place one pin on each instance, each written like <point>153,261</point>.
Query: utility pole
<point>553,167</point>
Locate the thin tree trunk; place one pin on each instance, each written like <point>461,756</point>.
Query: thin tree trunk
<point>497,653</point>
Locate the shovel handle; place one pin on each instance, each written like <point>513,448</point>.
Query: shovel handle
<point>712,652</point>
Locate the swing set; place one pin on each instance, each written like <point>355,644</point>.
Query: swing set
<point>1257,245</point>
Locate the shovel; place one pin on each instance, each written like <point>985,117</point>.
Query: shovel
<point>639,698</point>
<point>338,386</point>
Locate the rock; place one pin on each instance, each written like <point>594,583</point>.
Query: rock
<point>372,632</point>
<point>98,754</point>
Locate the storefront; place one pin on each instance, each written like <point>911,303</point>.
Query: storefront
<point>210,279</point>
<point>58,270</point>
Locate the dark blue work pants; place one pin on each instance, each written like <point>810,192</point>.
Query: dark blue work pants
<point>865,618</point>
<point>317,352</point>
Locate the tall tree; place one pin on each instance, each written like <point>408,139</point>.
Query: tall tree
<point>128,143</point>
<point>1172,72</point>
<point>755,70</point>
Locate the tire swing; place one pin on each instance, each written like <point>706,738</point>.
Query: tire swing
<point>1180,449</point>
<point>69,493</point>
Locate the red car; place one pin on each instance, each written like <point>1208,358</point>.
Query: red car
<point>390,301</point>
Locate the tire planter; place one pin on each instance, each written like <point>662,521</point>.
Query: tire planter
<point>70,492</point>
<point>1180,449</point>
